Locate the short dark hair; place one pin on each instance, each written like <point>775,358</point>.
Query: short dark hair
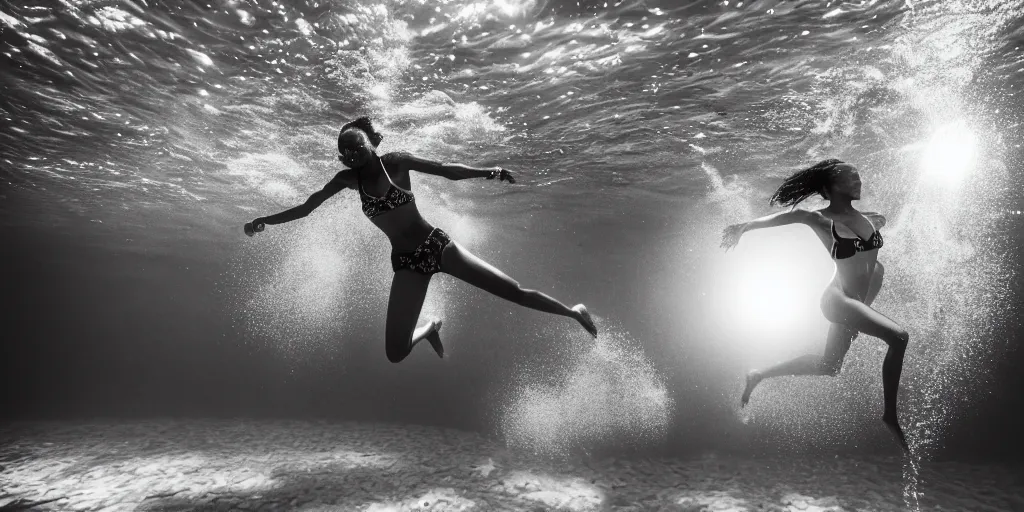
<point>364,124</point>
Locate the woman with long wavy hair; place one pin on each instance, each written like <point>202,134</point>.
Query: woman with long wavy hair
<point>853,240</point>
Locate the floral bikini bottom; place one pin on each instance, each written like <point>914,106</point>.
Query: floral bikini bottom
<point>425,259</point>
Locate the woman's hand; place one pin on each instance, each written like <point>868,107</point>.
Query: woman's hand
<point>251,228</point>
<point>731,235</point>
<point>501,174</point>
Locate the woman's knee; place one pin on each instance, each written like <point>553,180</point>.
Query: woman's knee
<point>520,295</point>
<point>899,338</point>
<point>396,351</point>
<point>512,291</point>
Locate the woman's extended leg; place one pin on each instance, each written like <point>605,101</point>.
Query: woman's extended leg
<point>839,338</point>
<point>408,289</point>
<point>462,264</point>
<point>860,316</point>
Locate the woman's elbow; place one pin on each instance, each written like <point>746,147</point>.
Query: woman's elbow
<point>304,210</point>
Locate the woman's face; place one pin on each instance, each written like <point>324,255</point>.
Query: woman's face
<point>846,184</point>
<point>355,148</point>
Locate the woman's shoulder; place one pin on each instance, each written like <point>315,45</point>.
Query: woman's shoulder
<point>876,219</point>
<point>820,216</point>
<point>345,178</point>
<point>817,220</point>
<point>395,157</point>
<point>398,162</point>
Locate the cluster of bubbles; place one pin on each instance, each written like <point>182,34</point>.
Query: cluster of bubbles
<point>305,291</point>
<point>606,396</point>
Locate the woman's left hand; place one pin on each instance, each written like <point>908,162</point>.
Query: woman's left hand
<point>731,235</point>
<point>501,174</point>
<point>256,226</point>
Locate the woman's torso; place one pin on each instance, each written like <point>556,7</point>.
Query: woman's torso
<point>854,268</point>
<point>388,201</point>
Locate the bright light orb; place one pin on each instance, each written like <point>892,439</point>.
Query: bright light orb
<point>770,286</point>
<point>767,298</point>
<point>950,155</point>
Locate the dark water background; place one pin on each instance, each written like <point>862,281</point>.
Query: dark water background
<point>138,137</point>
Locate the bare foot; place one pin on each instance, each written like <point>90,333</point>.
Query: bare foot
<point>585,320</point>
<point>893,425</point>
<point>435,337</point>
<point>753,379</point>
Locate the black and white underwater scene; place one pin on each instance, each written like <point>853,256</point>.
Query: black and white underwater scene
<point>512,255</point>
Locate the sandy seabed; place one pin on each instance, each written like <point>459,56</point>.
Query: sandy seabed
<point>179,465</point>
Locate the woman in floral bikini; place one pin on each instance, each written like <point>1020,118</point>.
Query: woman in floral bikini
<point>419,250</point>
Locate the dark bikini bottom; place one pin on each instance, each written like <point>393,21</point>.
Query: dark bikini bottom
<point>425,259</point>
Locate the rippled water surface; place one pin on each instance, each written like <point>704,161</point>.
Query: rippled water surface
<point>189,101</point>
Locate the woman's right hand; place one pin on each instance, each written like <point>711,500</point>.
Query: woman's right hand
<point>502,174</point>
<point>731,235</point>
<point>251,228</point>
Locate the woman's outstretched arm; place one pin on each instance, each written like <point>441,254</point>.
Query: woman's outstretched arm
<point>340,181</point>
<point>452,171</point>
<point>731,234</point>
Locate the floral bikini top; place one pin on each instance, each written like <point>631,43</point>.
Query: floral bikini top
<point>393,198</point>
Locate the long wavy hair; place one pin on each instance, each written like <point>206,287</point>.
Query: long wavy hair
<point>807,182</point>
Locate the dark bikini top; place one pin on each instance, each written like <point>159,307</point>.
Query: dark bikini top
<point>843,248</point>
<point>393,198</point>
